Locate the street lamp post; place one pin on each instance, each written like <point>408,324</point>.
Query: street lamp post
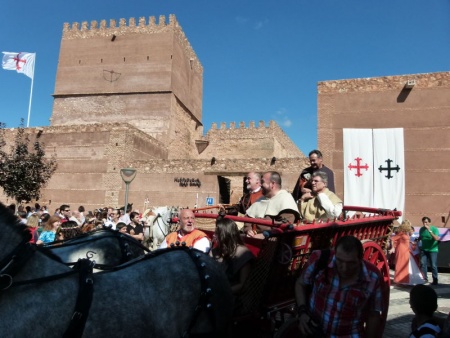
<point>128,175</point>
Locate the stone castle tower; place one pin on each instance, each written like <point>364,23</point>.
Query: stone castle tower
<point>144,74</point>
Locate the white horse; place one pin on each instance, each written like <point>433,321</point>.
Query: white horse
<point>160,221</point>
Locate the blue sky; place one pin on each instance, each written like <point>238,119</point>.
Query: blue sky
<point>262,59</point>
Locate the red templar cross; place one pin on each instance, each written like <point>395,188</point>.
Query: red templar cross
<point>17,59</point>
<point>358,166</point>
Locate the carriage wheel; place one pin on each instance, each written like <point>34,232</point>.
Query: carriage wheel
<point>284,254</point>
<point>374,254</point>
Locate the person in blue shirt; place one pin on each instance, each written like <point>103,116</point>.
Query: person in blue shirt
<point>49,233</point>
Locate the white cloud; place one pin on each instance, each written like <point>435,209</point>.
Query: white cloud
<point>241,20</point>
<point>282,118</point>
<point>260,24</point>
<point>286,122</point>
<point>255,24</point>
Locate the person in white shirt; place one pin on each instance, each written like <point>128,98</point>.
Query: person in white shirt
<point>279,206</point>
<point>126,215</point>
<point>115,218</point>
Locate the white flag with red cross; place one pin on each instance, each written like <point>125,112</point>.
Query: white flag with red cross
<point>20,62</point>
<point>358,167</point>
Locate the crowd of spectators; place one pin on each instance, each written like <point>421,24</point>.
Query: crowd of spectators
<point>64,223</point>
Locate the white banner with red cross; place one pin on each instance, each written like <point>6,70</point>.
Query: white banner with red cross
<point>374,168</point>
<point>358,167</point>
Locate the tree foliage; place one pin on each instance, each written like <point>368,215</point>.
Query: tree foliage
<point>24,170</point>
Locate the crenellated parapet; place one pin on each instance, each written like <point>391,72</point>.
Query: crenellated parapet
<point>242,126</point>
<point>253,140</point>
<point>94,29</point>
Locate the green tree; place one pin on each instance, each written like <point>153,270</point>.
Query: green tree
<point>24,170</point>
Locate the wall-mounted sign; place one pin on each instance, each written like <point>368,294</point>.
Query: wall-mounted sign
<point>188,182</point>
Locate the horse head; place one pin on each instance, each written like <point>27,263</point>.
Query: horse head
<point>148,216</point>
<point>159,221</point>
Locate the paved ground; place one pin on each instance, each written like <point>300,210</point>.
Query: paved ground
<point>400,314</point>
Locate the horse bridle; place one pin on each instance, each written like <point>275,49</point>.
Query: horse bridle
<point>13,262</point>
<point>159,226</point>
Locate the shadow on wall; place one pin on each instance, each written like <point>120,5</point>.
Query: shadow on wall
<point>403,94</point>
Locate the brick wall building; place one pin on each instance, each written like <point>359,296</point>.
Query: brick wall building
<point>385,102</point>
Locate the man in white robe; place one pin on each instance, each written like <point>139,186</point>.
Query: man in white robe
<point>278,207</point>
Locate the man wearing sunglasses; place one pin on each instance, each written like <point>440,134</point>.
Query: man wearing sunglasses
<point>64,213</point>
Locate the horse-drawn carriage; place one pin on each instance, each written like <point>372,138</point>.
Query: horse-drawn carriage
<point>267,298</point>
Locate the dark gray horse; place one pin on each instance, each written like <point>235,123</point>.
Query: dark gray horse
<point>108,248</point>
<point>170,293</point>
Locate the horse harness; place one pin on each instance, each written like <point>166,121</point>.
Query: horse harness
<point>124,244</point>
<point>15,261</point>
<point>156,220</point>
<point>205,292</point>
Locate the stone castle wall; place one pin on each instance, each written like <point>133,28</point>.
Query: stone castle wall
<point>159,180</point>
<point>384,102</point>
<point>90,157</point>
<point>112,108</point>
<point>183,132</point>
<point>242,142</point>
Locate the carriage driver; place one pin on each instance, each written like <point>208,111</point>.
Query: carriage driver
<point>187,234</point>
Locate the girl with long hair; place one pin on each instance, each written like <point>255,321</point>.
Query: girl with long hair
<point>50,231</point>
<point>407,271</point>
<point>32,225</point>
<point>229,250</point>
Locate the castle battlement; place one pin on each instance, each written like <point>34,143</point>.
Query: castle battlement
<point>257,137</point>
<point>141,27</point>
<point>251,125</point>
<point>85,31</point>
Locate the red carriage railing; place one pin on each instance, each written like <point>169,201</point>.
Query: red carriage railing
<point>282,255</point>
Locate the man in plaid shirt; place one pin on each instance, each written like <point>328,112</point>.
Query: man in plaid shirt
<point>346,298</point>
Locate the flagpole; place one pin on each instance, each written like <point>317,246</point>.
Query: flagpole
<point>31,94</point>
